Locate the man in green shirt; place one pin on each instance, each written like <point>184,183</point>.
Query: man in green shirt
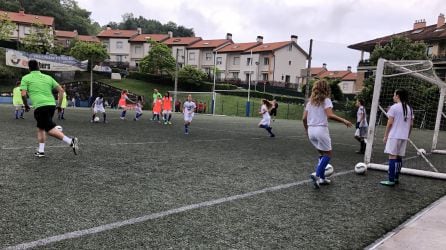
<point>156,94</point>
<point>38,87</point>
<point>17,101</point>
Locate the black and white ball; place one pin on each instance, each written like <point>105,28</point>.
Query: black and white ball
<point>360,168</point>
<point>328,170</point>
<point>58,127</point>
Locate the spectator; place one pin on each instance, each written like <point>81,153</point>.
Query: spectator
<point>200,107</point>
<point>177,106</point>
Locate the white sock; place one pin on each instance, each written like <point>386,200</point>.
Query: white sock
<point>41,147</point>
<point>67,139</point>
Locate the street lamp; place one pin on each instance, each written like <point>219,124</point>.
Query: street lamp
<point>213,88</point>
<point>248,104</point>
<point>176,78</point>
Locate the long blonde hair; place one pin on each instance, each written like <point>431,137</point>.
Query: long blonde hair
<point>321,90</point>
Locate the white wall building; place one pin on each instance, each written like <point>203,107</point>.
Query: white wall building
<point>117,44</point>
<point>180,44</point>
<point>139,47</point>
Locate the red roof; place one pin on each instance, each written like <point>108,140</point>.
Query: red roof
<point>317,70</point>
<point>88,38</point>
<point>117,33</point>
<point>350,77</point>
<point>209,43</point>
<point>68,34</point>
<point>22,17</point>
<point>335,74</point>
<point>270,46</point>
<point>181,41</point>
<point>237,47</point>
<point>145,37</point>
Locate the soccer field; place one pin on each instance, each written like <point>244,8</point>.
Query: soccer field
<point>225,185</point>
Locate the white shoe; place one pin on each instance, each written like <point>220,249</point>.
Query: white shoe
<point>324,181</point>
<point>315,180</point>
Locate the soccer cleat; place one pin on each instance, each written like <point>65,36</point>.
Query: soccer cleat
<point>122,118</point>
<point>272,135</point>
<point>315,180</point>
<point>397,181</point>
<point>75,145</point>
<point>388,183</point>
<point>170,123</point>
<point>39,154</point>
<point>21,117</point>
<point>324,181</point>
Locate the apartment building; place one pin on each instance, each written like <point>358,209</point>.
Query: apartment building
<point>201,53</point>
<point>433,35</point>
<point>65,38</point>
<point>350,82</point>
<point>26,23</point>
<point>117,45</point>
<point>139,47</point>
<point>179,45</point>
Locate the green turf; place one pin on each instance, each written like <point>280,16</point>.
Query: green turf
<point>222,157</point>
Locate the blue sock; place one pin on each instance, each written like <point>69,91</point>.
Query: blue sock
<point>21,112</point>
<point>123,113</point>
<point>170,117</point>
<point>16,114</point>
<point>392,169</point>
<point>186,128</point>
<point>323,162</point>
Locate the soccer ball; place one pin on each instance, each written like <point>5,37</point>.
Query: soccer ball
<point>328,170</point>
<point>360,168</point>
<point>96,119</point>
<point>58,127</point>
<point>421,151</point>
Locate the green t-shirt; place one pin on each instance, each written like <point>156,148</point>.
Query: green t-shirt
<point>64,100</point>
<point>17,96</point>
<point>155,96</point>
<point>39,87</point>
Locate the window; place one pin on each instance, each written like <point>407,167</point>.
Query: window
<point>345,86</point>
<point>180,53</point>
<point>119,45</point>
<point>219,60</point>
<point>429,50</point>
<point>27,30</point>
<point>266,61</point>
<point>234,75</point>
<point>265,76</point>
<point>249,61</point>
<point>287,79</point>
<point>119,58</point>
<point>289,62</point>
<point>236,61</point>
<point>208,56</point>
<point>192,56</point>
<point>138,49</point>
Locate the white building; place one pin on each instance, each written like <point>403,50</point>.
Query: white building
<point>26,23</point>
<point>117,44</point>
<point>139,47</point>
<point>179,45</point>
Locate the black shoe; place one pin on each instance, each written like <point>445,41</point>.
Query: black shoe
<point>39,154</point>
<point>21,117</point>
<point>75,145</point>
<point>272,135</point>
<point>360,152</point>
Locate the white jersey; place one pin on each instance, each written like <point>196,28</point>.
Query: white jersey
<point>99,102</point>
<point>400,128</point>
<point>138,108</point>
<point>266,118</point>
<point>316,114</point>
<point>188,107</point>
<point>361,111</point>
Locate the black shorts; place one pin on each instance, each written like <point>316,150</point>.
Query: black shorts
<point>44,117</point>
<point>273,112</point>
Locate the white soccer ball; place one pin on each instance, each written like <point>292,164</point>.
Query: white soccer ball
<point>328,170</point>
<point>96,119</point>
<point>58,127</point>
<point>360,168</point>
<point>421,151</point>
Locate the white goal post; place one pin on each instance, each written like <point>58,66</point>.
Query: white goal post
<point>419,76</point>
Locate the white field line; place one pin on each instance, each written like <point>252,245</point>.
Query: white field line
<point>132,221</point>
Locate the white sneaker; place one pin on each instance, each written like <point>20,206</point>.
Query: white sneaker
<point>324,181</point>
<point>75,145</point>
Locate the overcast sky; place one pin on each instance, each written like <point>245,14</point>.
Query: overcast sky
<point>332,24</point>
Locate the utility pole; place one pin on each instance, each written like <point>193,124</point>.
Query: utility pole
<point>176,78</point>
<point>307,87</point>
<point>213,88</point>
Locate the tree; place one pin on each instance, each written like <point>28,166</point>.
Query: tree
<point>159,61</point>
<point>190,74</point>
<point>40,40</point>
<point>6,27</point>
<point>94,52</point>
<point>399,48</point>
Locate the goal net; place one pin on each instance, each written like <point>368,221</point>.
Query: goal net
<point>426,98</point>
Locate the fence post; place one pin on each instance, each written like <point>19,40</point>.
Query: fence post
<point>236,112</point>
<point>248,107</point>
<point>222,106</point>
<point>288,111</point>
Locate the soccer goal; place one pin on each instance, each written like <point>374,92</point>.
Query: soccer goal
<point>203,100</point>
<point>426,97</point>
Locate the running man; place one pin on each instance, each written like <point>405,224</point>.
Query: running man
<point>17,101</point>
<point>39,87</point>
<point>188,111</point>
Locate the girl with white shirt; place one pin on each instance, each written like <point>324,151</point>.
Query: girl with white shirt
<point>317,112</point>
<point>361,126</point>
<point>399,125</point>
<point>266,118</point>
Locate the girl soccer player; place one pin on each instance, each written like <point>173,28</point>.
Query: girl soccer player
<point>266,118</point>
<point>98,106</point>
<point>317,112</point>
<point>361,126</point>
<point>399,125</point>
<point>167,108</point>
<point>138,108</point>
<point>123,103</point>
<point>157,108</point>
<point>17,101</point>
<point>188,111</point>
<point>63,106</point>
